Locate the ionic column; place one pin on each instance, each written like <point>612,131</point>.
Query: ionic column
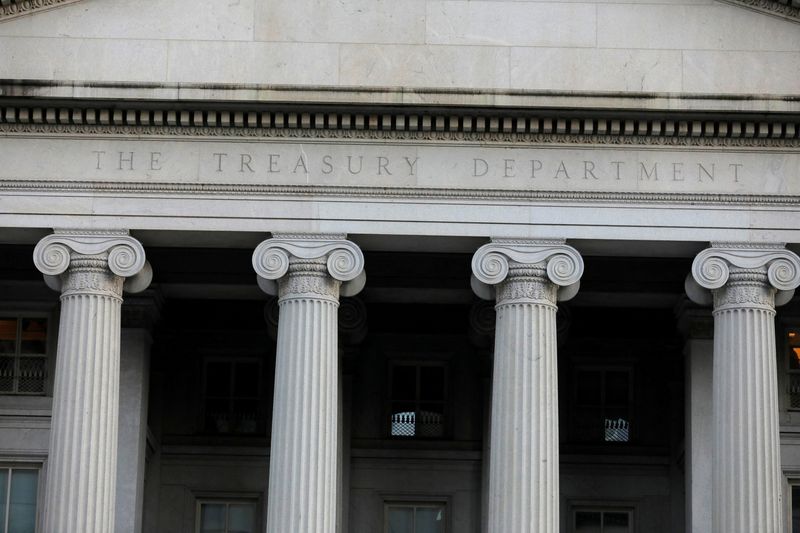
<point>311,273</point>
<point>90,270</point>
<point>528,278</point>
<point>746,281</point>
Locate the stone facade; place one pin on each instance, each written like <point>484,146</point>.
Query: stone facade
<point>534,187</point>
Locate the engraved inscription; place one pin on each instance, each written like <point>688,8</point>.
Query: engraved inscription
<point>406,165</point>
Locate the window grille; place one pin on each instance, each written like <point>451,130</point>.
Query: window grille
<point>617,430</point>
<point>23,355</point>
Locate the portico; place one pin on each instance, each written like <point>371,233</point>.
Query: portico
<point>556,424</point>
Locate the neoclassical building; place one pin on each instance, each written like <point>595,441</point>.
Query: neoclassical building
<point>423,266</point>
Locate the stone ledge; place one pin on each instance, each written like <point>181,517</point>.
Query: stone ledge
<point>261,94</point>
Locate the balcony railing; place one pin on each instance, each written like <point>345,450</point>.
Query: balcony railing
<point>423,424</point>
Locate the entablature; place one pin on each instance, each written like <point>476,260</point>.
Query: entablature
<point>466,171</point>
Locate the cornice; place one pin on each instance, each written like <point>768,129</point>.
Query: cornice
<point>463,125</point>
<point>788,9</point>
<point>64,92</point>
<point>16,8</point>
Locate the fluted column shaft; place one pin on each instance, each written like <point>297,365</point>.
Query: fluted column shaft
<point>304,454</point>
<point>303,458</point>
<point>523,482</point>
<point>82,464</point>
<point>524,459</point>
<point>746,470</point>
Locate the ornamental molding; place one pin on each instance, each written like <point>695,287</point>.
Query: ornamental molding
<point>271,191</point>
<point>312,262</point>
<point>555,263</point>
<point>112,251</point>
<point>530,127</point>
<point>787,9</point>
<point>10,9</point>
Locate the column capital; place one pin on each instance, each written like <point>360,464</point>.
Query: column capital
<point>341,259</point>
<point>112,250</point>
<point>561,264</point>
<point>769,265</point>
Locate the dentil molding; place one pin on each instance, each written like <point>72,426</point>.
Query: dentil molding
<point>468,124</point>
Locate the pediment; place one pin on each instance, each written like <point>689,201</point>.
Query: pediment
<point>786,9</point>
<point>10,9</point>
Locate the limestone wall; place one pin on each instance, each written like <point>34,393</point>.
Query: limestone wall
<point>651,46</point>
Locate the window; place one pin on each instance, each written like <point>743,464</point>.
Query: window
<point>417,394</point>
<point>415,518</point>
<point>795,508</point>
<point>226,517</point>
<point>793,364</point>
<point>603,404</point>
<point>232,396</point>
<point>23,355</point>
<point>18,487</point>
<point>600,520</point>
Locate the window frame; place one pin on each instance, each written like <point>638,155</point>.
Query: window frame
<point>631,508</point>
<point>417,502</point>
<point>49,360</point>
<point>791,479</point>
<point>582,365</point>
<point>418,363</point>
<point>789,372</point>
<point>260,429</point>
<point>38,466</point>
<point>255,501</point>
